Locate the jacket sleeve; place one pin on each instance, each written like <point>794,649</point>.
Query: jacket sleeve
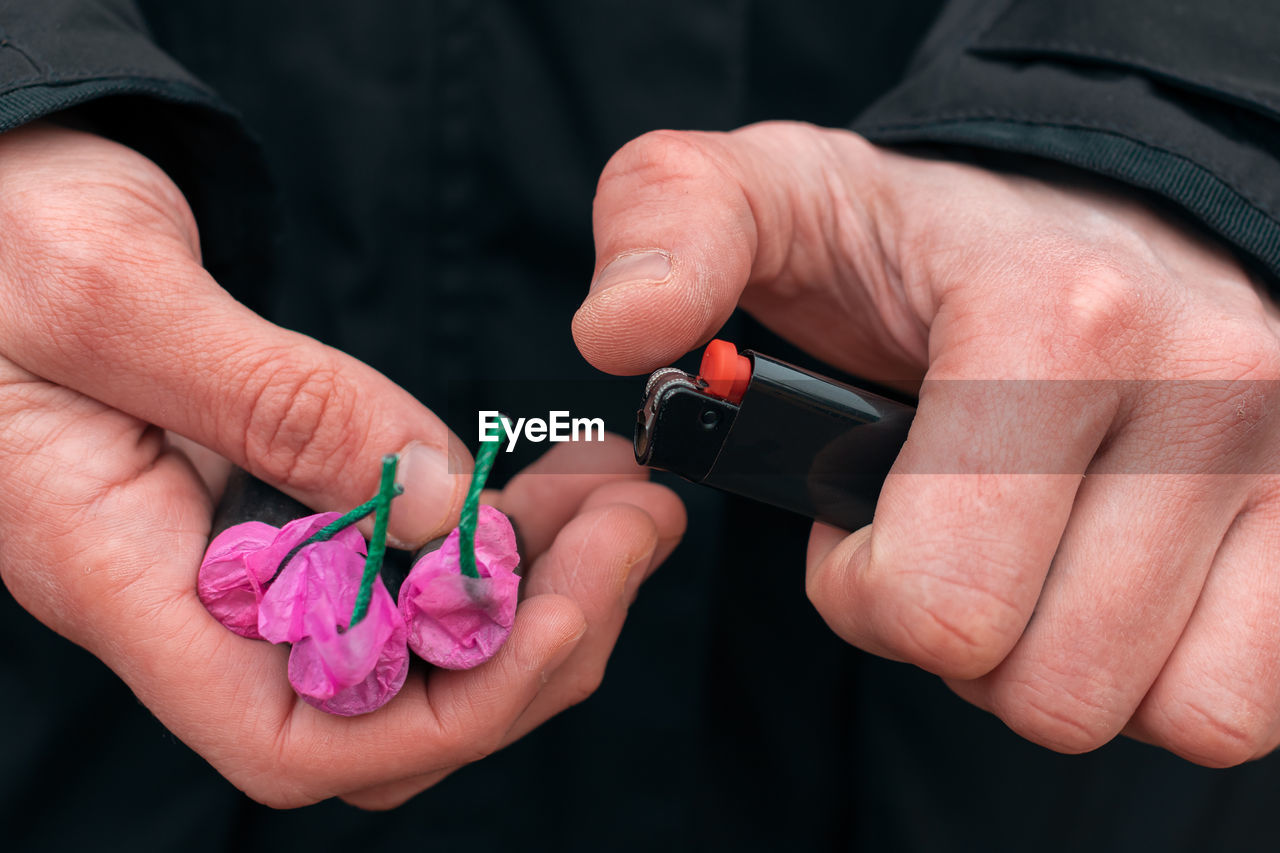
<point>93,63</point>
<point>1182,99</point>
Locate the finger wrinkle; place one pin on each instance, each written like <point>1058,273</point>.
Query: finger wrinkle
<point>1237,736</point>
<point>1088,738</point>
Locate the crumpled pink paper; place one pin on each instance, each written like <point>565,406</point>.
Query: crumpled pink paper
<point>354,671</point>
<point>240,562</point>
<point>341,671</point>
<point>331,569</point>
<point>454,621</point>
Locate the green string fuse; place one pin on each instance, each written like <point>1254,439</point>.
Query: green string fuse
<point>330,530</point>
<point>380,507</point>
<point>471,509</point>
<point>387,490</point>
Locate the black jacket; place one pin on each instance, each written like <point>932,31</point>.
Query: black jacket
<point>395,178</point>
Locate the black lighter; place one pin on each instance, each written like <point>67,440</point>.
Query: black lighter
<point>767,430</point>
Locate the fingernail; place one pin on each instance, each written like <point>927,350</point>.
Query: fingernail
<point>561,655</point>
<point>431,491</point>
<point>652,266</point>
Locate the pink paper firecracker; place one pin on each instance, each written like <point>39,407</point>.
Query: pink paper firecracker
<point>455,621</point>
<point>241,561</point>
<point>345,671</point>
<point>450,619</point>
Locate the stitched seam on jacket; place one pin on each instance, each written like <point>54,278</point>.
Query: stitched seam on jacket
<point>10,43</point>
<point>63,77</point>
<point>1086,51</point>
<point>172,91</point>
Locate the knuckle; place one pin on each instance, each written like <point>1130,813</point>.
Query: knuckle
<point>834,600</point>
<point>83,271</point>
<point>1220,422</point>
<point>297,428</point>
<point>1066,711</point>
<point>584,686</point>
<point>275,795</point>
<point>1253,354</point>
<point>1233,354</point>
<point>468,732</point>
<point>292,767</point>
<point>947,617</point>
<point>82,220</point>
<point>1219,731</point>
<point>658,158</point>
<point>379,801</point>
<point>1214,424</point>
<point>947,639</point>
<point>272,782</point>
<point>1099,309</point>
<point>822,588</point>
<point>78,283</point>
<point>477,746</point>
<point>264,793</point>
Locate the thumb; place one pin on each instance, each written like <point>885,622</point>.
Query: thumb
<point>687,225</point>
<point>676,240</point>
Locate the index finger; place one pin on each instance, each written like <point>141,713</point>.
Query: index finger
<point>124,313</point>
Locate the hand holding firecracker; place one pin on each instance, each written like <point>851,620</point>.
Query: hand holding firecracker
<point>315,585</point>
<point>108,516</point>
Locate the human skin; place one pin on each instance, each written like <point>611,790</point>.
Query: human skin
<point>1141,598</point>
<point>111,333</point>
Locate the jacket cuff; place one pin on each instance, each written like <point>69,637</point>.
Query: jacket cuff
<point>1190,111</point>
<point>93,60</point>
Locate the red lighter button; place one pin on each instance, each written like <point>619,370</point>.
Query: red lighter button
<point>725,372</point>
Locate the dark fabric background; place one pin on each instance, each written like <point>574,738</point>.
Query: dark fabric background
<point>435,164</point>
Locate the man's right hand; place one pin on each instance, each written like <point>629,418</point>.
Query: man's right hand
<point>1061,327</point>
